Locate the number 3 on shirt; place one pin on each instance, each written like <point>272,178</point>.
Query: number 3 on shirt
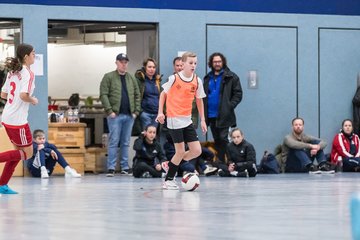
<point>13,87</point>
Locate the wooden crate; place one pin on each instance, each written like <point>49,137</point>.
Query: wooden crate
<point>75,158</point>
<point>69,138</point>
<point>5,145</point>
<point>95,160</point>
<point>67,135</point>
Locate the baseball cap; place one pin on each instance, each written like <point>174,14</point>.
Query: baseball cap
<point>122,56</point>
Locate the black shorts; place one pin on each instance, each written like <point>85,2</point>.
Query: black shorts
<point>187,134</point>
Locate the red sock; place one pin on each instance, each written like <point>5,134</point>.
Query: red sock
<point>8,172</point>
<point>12,155</point>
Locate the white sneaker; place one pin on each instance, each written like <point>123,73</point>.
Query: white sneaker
<point>72,173</point>
<point>44,173</point>
<point>170,185</point>
<point>210,170</point>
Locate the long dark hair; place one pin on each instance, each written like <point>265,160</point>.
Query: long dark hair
<point>14,64</point>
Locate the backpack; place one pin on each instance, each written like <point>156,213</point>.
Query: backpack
<point>269,164</point>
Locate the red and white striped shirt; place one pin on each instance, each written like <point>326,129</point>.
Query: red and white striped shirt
<point>16,110</point>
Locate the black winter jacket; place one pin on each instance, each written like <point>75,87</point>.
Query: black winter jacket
<point>243,155</point>
<point>230,96</point>
<point>356,111</point>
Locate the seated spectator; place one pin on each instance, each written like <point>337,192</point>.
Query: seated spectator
<point>345,150</point>
<point>241,157</point>
<point>149,155</point>
<point>46,155</point>
<point>299,151</point>
<point>190,166</point>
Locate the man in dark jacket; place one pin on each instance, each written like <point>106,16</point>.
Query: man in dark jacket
<point>223,93</point>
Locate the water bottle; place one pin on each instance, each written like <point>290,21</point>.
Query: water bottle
<point>355,216</point>
<point>76,116</point>
<point>70,116</point>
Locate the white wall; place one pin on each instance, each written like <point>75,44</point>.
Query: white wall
<point>78,73</point>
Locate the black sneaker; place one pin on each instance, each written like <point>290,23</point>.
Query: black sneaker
<point>244,174</point>
<point>126,172</point>
<point>326,168</point>
<point>146,175</point>
<point>221,173</point>
<point>110,173</point>
<point>313,169</point>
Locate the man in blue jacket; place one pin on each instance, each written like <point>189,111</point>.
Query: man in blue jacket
<point>223,93</point>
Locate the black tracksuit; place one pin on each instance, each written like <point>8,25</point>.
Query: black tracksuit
<point>244,157</point>
<point>147,157</point>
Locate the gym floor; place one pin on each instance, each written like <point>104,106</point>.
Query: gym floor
<point>281,207</point>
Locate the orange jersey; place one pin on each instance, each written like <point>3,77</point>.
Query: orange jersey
<point>180,97</point>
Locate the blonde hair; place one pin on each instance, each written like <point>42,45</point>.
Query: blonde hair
<point>186,55</point>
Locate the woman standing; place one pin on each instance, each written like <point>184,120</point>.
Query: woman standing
<point>149,84</point>
<point>17,90</point>
<point>345,148</point>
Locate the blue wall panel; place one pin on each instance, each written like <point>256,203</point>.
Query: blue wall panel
<point>284,48</point>
<point>264,113</point>
<point>339,66</point>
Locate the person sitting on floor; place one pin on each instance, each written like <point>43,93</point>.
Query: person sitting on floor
<point>345,150</point>
<point>46,155</point>
<point>300,150</point>
<point>241,157</point>
<point>149,155</point>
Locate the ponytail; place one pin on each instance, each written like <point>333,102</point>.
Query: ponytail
<point>14,64</point>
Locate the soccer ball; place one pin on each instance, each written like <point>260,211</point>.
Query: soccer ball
<point>190,181</point>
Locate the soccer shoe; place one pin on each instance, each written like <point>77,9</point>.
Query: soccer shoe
<point>4,189</point>
<point>165,166</point>
<point>210,170</point>
<point>170,185</point>
<point>44,173</point>
<point>72,173</point>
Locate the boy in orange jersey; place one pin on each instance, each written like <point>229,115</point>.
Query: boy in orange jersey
<point>179,92</point>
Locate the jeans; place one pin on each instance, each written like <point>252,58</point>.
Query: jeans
<point>299,159</point>
<point>119,134</point>
<point>147,119</point>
